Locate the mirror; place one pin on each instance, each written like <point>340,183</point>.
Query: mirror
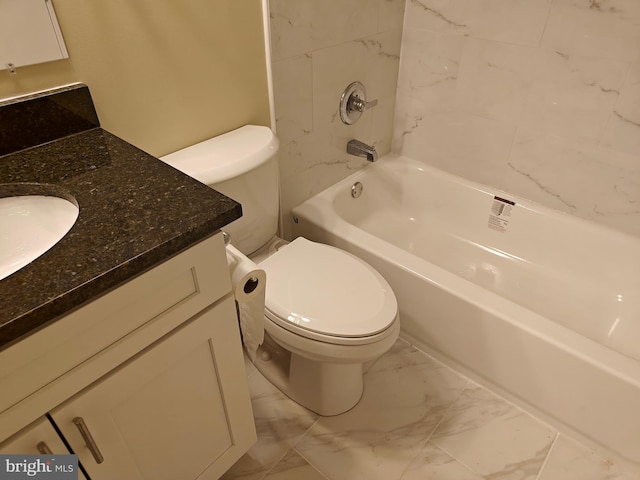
<point>29,33</point>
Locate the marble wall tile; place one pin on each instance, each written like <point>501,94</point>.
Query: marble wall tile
<point>372,60</point>
<point>391,14</point>
<point>382,124</point>
<point>290,25</point>
<point>293,94</point>
<point>318,150</point>
<point>466,102</point>
<point>308,165</point>
<point>494,79</point>
<point>572,96</point>
<point>406,394</point>
<point>570,460</point>
<point>623,131</point>
<point>567,95</point>
<point>474,432</point>
<point>472,76</point>
<point>465,145</point>
<point>318,48</point>
<point>588,180</point>
<point>313,138</point>
<point>427,82</point>
<point>298,27</point>
<point>603,28</point>
<point>519,22</point>
<point>429,66</point>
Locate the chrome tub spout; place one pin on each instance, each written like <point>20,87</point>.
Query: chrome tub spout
<point>361,149</point>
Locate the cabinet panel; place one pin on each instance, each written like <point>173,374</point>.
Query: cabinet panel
<point>177,410</point>
<point>40,371</point>
<point>26,441</point>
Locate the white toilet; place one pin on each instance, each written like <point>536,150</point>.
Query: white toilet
<point>326,311</point>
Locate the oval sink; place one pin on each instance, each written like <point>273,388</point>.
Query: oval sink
<point>29,226</point>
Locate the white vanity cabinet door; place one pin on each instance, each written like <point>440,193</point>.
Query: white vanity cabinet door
<point>26,441</point>
<point>178,410</point>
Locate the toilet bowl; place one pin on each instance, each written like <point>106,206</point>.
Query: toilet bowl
<point>326,311</point>
<point>332,313</point>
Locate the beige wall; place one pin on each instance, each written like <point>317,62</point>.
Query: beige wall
<point>163,74</point>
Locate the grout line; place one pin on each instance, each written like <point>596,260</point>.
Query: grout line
<point>448,409</point>
<point>311,464</point>
<point>450,454</point>
<point>306,431</point>
<point>546,23</point>
<point>293,448</point>
<point>437,425</point>
<point>460,462</point>
<point>276,463</point>
<point>546,459</point>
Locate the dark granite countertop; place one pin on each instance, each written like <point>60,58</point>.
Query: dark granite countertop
<point>134,212</point>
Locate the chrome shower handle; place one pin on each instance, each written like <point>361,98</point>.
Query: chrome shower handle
<point>360,104</point>
<point>353,102</point>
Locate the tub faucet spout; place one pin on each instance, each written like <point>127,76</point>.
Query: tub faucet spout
<point>361,149</point>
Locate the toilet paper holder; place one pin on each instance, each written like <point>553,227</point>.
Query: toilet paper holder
<point>251,284</point>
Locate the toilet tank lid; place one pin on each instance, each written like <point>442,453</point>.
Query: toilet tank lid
<point>225,156</point>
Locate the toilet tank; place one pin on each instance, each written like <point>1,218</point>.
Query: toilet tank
<point>241,164</point>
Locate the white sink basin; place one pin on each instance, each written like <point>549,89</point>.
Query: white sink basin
<point>29,226</point>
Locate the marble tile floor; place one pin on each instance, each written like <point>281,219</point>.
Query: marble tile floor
<point>417,420</point>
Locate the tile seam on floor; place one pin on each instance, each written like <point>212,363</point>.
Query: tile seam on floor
<point>294,449</point>
<point>275,464</point>
<point>450,454</point>
<point>317,420</point>
<point>546,458</point>
<point>310,463</point>
<point>433,430</point>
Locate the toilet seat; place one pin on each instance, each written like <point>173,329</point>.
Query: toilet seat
<point>323,293</point>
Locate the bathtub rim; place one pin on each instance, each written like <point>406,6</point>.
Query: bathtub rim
<point>531,205</point>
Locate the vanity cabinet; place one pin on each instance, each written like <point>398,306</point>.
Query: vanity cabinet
<point>164,396</point>
<point>38,438</point>
<point>172,412</point>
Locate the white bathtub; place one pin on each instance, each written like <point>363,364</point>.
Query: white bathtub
<point>541,305</point>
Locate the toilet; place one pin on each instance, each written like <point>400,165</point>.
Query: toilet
<point>327,312</point>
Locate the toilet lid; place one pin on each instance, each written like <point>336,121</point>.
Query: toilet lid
<point>318,288</point>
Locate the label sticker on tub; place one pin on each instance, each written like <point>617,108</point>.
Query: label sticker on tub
<point>500,214</point>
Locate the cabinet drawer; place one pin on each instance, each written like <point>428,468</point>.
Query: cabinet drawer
<point>30,438</point>
<point>39,372</point>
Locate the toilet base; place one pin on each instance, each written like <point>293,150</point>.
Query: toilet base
<point>325,388</point>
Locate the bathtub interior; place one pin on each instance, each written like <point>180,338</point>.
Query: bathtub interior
<point>574,272</point>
